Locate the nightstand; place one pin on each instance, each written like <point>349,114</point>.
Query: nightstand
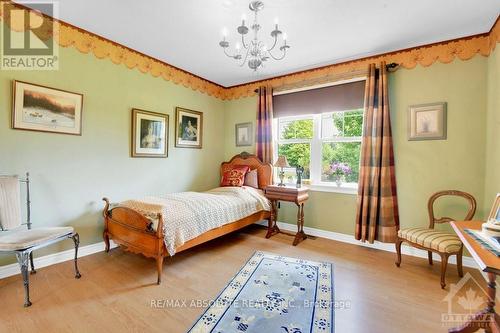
<point>299,196</point>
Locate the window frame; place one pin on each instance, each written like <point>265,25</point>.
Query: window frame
<point>316,146</point>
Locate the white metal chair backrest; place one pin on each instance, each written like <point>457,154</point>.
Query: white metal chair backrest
<point>10,202</point>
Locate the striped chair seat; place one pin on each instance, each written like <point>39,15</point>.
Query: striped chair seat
<point>432,239</point>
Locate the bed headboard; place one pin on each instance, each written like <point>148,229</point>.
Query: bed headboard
<point>264,170</point>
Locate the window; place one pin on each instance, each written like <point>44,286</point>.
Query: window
<point>327,145</point>
<point>295,136</point>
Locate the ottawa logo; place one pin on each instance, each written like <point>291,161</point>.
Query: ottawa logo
<point>465,299</point>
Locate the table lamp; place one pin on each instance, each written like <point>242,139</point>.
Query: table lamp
<point>281,162</point>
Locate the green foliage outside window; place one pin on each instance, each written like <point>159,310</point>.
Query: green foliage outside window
<point>345,152</point>
<point>297,153</point>
<point>346,124</point>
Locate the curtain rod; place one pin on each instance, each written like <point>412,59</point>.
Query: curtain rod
<point>390,67</point>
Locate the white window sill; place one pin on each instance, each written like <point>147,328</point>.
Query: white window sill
<point>351,189</point>
<point>346,188</point>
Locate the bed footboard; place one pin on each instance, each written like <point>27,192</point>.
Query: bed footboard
<point>132,231</point>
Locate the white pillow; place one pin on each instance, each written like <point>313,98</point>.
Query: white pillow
<point>252,179</point>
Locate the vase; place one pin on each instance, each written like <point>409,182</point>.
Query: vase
<point>338,181</point>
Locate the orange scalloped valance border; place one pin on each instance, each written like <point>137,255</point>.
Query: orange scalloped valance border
<point>102,48</point>
<point>67,35</point>
<point>444,52</point>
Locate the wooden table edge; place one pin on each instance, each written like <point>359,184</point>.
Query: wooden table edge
<point>467,240</point>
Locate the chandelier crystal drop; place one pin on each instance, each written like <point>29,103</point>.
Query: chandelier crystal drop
<point>255,52</point>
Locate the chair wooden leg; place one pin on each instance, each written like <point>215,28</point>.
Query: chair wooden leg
<point>398,251</point>
<point>33,271</point>
<point>22,259</point>
<point>459,263</point>
<point>444,264</point>
<point>159,268</point>
<point>429,256</point>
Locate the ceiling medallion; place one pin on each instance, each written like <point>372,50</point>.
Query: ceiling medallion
<point>255,52</point>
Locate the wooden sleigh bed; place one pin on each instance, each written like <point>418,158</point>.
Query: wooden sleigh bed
<point>132,230</point>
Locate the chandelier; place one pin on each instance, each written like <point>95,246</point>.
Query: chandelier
<point>255,52</point>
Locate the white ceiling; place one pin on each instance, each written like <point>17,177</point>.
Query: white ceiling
<point>185,33</point>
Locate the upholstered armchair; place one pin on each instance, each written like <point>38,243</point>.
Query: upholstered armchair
<point>443,243</point>
<point>22,242</point>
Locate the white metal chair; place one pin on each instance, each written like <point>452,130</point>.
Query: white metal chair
<point>24,242</point>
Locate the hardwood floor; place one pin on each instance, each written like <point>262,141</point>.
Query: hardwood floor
<point>117,288</point>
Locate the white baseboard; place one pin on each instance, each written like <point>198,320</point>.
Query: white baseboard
<point>407,250</point>
<point>55,258</point>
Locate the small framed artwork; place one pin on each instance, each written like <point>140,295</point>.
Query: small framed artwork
<point>494,217</point>
<point>188,128</point>
<point>427,122</point>
<point>45,109</point>
<point>149,134</point>
<point>244,134</point>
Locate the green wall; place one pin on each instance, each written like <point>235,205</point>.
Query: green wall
<point>71,174</point>
<point>425,167</point>
<point>492,183</point>
<point>422,167</point>
<point>242,110</point>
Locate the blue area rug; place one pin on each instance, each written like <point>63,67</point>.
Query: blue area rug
<point>272,293</point>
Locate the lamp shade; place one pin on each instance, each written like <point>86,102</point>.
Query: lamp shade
<point>281,162</point>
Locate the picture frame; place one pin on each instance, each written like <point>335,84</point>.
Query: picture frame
<point>427,121</point>
<point>149,134</point>
<point>243,133</point>
<point>44,109</point>
<point>494,216</point>
<point>188,128</point>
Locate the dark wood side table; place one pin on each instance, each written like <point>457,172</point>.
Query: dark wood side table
<point>490,264</point>
<point>299,196</point>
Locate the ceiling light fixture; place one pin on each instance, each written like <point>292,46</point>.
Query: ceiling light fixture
<point>256,52</point>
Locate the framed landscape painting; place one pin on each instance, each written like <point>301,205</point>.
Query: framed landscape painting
<point>427,122</point>
<point>188,128</point>
<point>44,109</point>
<point>149,134</point>
<point>244,134</point>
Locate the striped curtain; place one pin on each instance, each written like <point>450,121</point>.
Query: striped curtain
<point>264,141</point>
<point>377,215</point>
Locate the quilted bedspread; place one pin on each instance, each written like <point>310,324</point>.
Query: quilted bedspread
<point>187,215</point>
